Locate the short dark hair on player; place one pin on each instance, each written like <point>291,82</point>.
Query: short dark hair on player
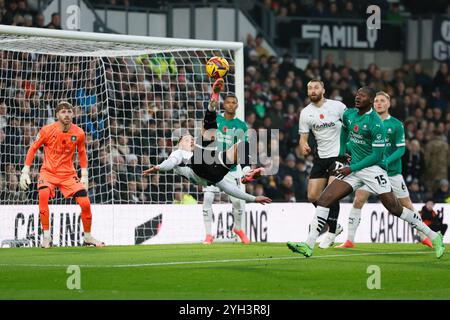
<point>371,92</point>
<point>63,105</point>
<point>230,95</point>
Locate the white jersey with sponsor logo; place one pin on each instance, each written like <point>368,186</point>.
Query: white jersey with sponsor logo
<point>325,123</point>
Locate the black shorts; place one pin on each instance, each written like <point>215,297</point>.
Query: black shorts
<point>213,172</point>
<point>322,167</point>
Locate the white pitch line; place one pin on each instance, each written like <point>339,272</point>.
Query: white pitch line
<point>174,263</point>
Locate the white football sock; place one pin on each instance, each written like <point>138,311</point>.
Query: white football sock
<point>208,200</point>
<point>237,215</point>
<point>354,219</point>
<point>238,212</point>
<point>414,219</point>
<point>47,234</point>
<point>207,220</point>
<point>320,219</point>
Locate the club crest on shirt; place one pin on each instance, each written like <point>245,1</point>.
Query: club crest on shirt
<point>356,128</point>
<point>73,138</point>
<point>322,116</point>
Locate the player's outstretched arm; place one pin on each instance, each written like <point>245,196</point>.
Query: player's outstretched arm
<point>170,163</point>
<point>25,180</point>
<point>152,169</point>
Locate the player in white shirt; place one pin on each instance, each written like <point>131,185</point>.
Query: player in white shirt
<point>324,118</point>
<point>202,163</point>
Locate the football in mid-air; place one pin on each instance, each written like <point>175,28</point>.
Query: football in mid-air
<point>217,67</point>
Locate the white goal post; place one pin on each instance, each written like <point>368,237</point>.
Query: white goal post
<point>129,93</point>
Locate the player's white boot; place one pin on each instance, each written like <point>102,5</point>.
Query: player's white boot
<point>47,242</point>
<point>329,238</point>
<point>91,241</point>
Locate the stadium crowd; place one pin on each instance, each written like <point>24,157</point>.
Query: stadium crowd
<point>152,99</point>
<point>391,10</point>
<point>275,94</point>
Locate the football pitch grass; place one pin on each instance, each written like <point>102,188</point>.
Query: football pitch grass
<point>225,271</point>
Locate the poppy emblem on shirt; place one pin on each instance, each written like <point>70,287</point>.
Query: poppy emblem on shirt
<point>322,116</point>
<point>73,138</point>
<point>225,129</point>
<point>355,128</point>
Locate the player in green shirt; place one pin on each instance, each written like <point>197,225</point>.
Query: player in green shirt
<point>395,148</point>
<point>230,130</point>
<point>365,131</point>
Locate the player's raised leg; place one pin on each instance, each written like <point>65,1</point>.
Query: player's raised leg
<point>401,192</point>
<point>337,190</point>
<point>391,203</point>
<point>407,203</point>
<point>209,120</point>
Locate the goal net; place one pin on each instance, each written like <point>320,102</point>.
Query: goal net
<point>130,93</point>
<point>128,97</point>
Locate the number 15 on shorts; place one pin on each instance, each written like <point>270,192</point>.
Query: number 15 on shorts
<point>381,180</point>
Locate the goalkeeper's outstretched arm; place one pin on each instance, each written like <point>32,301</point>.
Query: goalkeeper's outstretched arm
<point>25,180</point>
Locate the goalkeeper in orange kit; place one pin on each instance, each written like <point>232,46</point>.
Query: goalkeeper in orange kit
<point>60,141</point>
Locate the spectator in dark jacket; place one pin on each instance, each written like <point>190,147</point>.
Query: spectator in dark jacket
<point>442,195</point>
<point>413,162</point>
<point>433,219</point>
<point>55,23</point>
<point>416,192</point>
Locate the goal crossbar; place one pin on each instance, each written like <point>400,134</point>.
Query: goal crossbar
<point>108,37</point>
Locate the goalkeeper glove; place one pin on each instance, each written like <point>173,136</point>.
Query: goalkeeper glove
<point>25,180</point>
<point>85,178</point>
